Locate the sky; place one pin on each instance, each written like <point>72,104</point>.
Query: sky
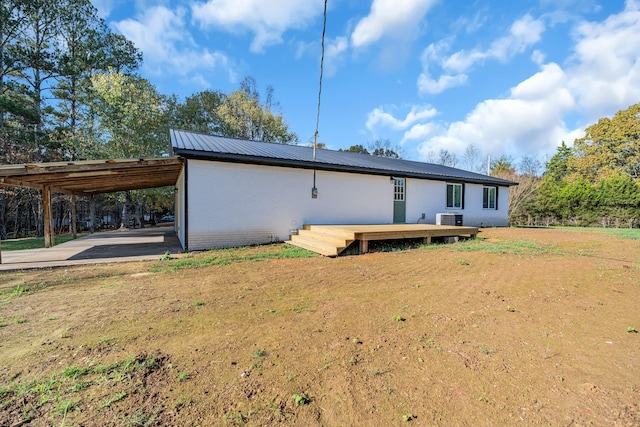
<point>512,78</point>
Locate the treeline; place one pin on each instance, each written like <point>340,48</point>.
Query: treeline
<point>593,183</point>
<point>69,90</point>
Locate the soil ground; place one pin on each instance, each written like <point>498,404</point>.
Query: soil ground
<point>519,327</point>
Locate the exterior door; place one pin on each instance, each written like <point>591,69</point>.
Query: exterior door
<point>399,201</point>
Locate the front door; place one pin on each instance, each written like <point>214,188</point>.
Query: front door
<point>399,201</point>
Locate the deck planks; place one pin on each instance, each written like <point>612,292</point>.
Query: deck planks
<point>331,240</point>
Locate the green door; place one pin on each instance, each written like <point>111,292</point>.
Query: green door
<point>399,201</point>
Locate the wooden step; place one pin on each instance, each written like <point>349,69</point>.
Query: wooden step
<point>337,240</point>
<point>330,231</point>
<point>318,246</point>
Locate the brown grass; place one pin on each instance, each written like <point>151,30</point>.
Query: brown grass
<point>522,327</point>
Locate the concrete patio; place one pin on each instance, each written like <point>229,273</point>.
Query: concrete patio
<point>103,247</point>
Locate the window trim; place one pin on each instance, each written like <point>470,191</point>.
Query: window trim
<point>399,189</point>
<point>486,197</point>
<point>450,195</point>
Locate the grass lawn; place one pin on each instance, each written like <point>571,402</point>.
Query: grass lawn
<point>32,242</point>
<point>518,327</point>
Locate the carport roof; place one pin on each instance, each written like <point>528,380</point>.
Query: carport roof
<point>93,176</point>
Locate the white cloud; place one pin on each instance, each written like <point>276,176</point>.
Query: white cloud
<point>426,84</point>
<point>602,76</point>
<point>390,18</point>
<point>167,46</point>
<point>379,117</point>
<point>333,54</point>
<point>104,7</point>
<point>420,131</point>
<point>524,33</point>
<point>530,120</point>
<point>538,57</point>
<point>605,74</point>
<point>267,20</point>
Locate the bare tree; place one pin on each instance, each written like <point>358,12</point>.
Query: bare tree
<point>445,158</point>
<point>530,166</point>
<point>383,147</point>
<point>472,159</point>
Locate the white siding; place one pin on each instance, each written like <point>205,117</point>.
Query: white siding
<point>232,204</point>
<point>423,196</point>
<point>430,198</point>
<point>236,204</point>
<point>476,216</point>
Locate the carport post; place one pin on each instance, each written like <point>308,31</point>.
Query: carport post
<point>48,220</point>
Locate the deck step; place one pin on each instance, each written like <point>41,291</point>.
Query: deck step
<point>337,240</point>
<point>331,240</point>
<point>318,246</point>
<point>336,232</point>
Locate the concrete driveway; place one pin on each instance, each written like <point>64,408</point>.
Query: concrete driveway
<point>103,247</point>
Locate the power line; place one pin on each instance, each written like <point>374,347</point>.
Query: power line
<point>324,28</point>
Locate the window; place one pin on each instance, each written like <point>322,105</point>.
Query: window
<point>455,196</point>
<point>490,197</point>
<point>398,190</point>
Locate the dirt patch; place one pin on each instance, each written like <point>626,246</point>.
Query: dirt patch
<point>528,326</point>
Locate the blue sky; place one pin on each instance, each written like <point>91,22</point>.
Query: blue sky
<point>511,78</point>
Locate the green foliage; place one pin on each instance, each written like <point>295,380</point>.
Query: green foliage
<point>610,146</point>
<point>243,115</point>
<point>199,113</point>
<point>31,243</point>
<point>383,147</point>
<point>623,233</point>
<point>301,399</point>
<point>132,116</point>
<point>516,247</point>
<point>558,165</point>
<point>58,393</point>
<point>64,407</point>
<point>595,181</point>
<point>113,399</point>
<point>502,165</point>
<point>356,149</point>
<point>234,255</point>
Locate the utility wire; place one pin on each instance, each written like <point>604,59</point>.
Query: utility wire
<point>324,28</point>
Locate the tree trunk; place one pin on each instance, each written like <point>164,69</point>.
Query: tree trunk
<point>3,216</point>
<point>126,210</point>
<point>36,208</point>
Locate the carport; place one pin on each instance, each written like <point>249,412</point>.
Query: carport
<point>87,178</point>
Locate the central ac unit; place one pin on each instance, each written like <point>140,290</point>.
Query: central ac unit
<point>449,219</point>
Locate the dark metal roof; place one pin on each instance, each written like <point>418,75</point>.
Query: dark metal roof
<point>219,148</point>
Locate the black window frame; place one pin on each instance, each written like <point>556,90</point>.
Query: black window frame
<point>450,195</point>
<point>486,198</point>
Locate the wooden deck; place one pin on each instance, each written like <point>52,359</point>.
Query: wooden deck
<point>331,240</point>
